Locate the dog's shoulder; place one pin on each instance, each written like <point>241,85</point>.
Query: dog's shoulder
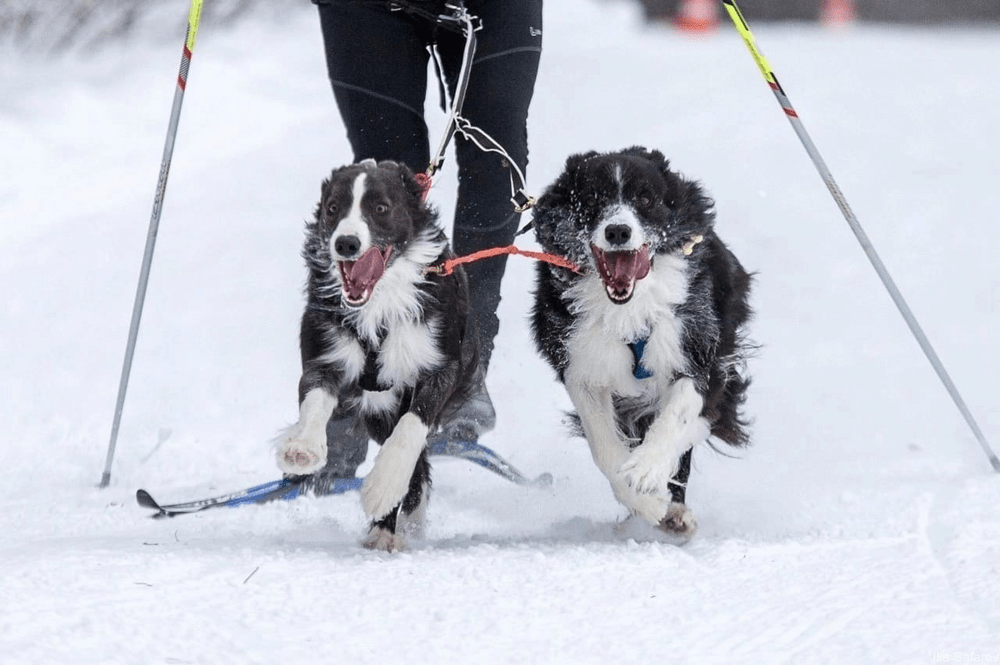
<point>551,318</point>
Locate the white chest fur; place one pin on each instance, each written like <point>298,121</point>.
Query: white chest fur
<point>598,343</point>
<point>409,349</point>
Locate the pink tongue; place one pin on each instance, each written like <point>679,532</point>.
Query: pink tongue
<point>623,267</point>
<point>361,274</point>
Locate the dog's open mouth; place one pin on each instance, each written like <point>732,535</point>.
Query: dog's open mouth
<point>360,277</point>
<point>620,271</point>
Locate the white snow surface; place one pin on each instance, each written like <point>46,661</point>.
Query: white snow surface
<point>862,526</point>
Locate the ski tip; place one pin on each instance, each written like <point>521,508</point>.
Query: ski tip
<point>145,499</point>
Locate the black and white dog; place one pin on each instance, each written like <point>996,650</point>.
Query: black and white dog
<point>649,340</point>
<point>380,337</point>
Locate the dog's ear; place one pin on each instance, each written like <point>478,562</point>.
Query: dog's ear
<point>574,162</point>
<point>558,192</point>
<point>554,203</point>
<point>693,207</point>
<point>406,177</point>
<point>323,189</point>
<point>662,165</point>
<point>655,157</point>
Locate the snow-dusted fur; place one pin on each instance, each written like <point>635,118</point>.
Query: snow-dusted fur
<point>391,347</point>
<point>678,291</point>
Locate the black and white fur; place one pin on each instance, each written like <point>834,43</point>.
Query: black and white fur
<point>380,338</point>
<point>628,220</point>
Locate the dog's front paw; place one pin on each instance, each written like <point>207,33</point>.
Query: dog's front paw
<point>679,522</point>
<point>650,507</point>
<point>382,491</point>
<point>648,470</point>
<point>300,454</point>
<point>383,540</point>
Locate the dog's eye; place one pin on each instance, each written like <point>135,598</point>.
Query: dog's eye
<point>381,208</point>
<point>644,201</point>
<point>331,208</point>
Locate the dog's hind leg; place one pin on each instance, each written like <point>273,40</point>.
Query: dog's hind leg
<point>679,520</point>
<point>389,533</point>
<point>678,484</point>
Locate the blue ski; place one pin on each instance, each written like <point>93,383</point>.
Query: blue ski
<point>293,487</point>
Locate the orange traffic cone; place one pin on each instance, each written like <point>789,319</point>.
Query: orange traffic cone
<point>838,13</point>
<point>697,16</point>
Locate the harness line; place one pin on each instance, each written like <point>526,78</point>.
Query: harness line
<point>448,266</point>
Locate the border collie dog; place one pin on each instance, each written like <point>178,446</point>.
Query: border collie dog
<point>649,338</point>
<point>380,337</point>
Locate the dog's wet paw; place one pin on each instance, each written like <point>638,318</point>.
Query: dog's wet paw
<point>383,540</point>
<point>301,456</point>
<point>679,522</point>
<point>647,470</point>
<point>651,507</point>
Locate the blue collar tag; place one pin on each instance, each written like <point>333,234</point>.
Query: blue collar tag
<point>638,371</point>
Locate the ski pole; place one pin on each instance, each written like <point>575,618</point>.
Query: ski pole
<point>154,223</point>
<point>859,233</point>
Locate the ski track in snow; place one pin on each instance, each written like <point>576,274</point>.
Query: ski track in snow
<point>862,526</point>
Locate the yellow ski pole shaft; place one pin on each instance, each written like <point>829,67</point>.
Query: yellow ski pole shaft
<point>154,223</point>
<point>793,117</point>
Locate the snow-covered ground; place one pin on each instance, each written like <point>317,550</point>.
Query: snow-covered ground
<point>863,526</point>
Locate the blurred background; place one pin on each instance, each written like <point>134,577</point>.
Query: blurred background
<point>55,26</point>
<point>704,14</point>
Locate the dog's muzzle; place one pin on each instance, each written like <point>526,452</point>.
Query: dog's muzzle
<point>619,271</point>
<point>359,277</point>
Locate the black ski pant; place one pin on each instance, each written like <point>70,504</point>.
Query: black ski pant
<point>377,60</point>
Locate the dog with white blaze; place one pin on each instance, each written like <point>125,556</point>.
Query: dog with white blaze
<point>649,339</point>
<point>382,337</point>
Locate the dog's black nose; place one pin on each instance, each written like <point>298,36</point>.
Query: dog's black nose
<point>347,246</point>
<point>618,234</point>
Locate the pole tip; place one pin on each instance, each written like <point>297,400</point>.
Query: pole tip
<point>106,479</point>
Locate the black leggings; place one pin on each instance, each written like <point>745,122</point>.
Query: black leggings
<point>377,60</point>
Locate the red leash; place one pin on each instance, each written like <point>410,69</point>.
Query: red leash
<point>426,182</point>
<point>448,266</point>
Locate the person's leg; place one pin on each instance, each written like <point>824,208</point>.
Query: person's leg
<point>500,89</point>
<point>377,63</point>
<point>501,84</point>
